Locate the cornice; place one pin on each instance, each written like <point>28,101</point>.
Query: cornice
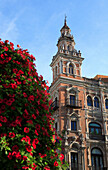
<point>76,82</point>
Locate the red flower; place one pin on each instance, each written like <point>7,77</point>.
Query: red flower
<point>18,46</point>
<point>15,148</point>
<point>42,156</point>
<point>11,134</point>
<point>31,97</point>
<point>26,130</point>
<point>14,153</point>
<point>26,111</point>
<point>13,85</point>
<point>9,103</point>
<point>11,44</point>
<point>18,155</point>
<point>30,122</point>
<point>55,163</point>
<point>0,124</point>
<point>4,119</point>
<point>26,139</point>
<point>15,70</point>
<point>3,134</point>
<point>5,48</point>
<point>46,168</point>
<point>37,127</point>
<point>33,116</point>
<point>9,156</point>
<point>28,148</point>
<point>1,100</point>
<point>14,124</point>
<point>61,157</point>
<point>35,142</point>
<point>11,100</point>
<point>18,120</point>
<point>25,167</point>
<point>20,72</point>
<point>24,158</point>
<point>24,94</point>
<point>6,41</point>
<point>31,154</point>
<point>36,132</point>
<point>37,112</point>
<point>2,56</point>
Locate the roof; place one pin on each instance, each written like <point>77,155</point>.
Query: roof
<point>65,25</point>
<point>102,77</point>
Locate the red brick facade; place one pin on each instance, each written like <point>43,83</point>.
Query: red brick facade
<point>80,107</point>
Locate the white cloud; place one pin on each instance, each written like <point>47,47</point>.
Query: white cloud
<point>9,28</point>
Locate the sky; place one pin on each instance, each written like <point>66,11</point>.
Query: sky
<point>35,25</point>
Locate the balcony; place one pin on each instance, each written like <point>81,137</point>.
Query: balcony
<point>55,105</point>
<point>97,137</point>
<point>76,166</point>
<point>98,168</point>
<point>73,103</point>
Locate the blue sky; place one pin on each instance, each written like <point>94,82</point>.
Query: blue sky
<point>35,25</point>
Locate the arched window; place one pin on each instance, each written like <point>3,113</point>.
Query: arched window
<point>89,101</point>
<point>70,69</point>
<point>106,103</point>
<point>97,159</point>
<point>96,102</point>
<point>95,129</point>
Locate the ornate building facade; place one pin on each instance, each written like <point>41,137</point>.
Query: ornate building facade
<point>80,107</point>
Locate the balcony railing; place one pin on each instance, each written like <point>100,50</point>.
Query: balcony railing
<point>98,168</point>
<point>97,137</point>
<point>55,105</point>
<point>76,166</point>
<point>73,103</point>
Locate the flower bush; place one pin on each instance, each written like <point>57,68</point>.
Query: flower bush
<point>26,133</point>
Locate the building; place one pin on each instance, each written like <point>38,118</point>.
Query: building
<point>80,107</point>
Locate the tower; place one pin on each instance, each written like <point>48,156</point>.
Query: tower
<point>67,62</point>
<point>80,107</point>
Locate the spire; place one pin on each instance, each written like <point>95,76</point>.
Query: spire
<point>65,22</point>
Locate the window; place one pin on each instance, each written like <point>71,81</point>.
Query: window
<point>95,129</point>
<point>68,48</point>
<point>96,102</point>
<point>70,69</point>
<point>56,126</point>
<point>72,100</point>
<point>74,161</point>
<point>106,103</point>
<point>97,159</point>
<point>56,71</point>
<point>89,101</point>
<point>73,125</point>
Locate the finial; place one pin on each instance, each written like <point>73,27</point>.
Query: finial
<point>65,20</point>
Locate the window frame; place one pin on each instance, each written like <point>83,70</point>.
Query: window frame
<point>89,101</point>
<point>94,128</point>
<point>97,158</point>
<point>71,70</point>
<point>74,127</point>
<point>106,103</point>
<point>72,100</point>
<point>96,102</point>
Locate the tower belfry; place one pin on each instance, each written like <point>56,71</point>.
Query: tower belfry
<point>67,61</point>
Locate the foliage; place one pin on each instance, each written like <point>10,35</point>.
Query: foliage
<point>26,133</point>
